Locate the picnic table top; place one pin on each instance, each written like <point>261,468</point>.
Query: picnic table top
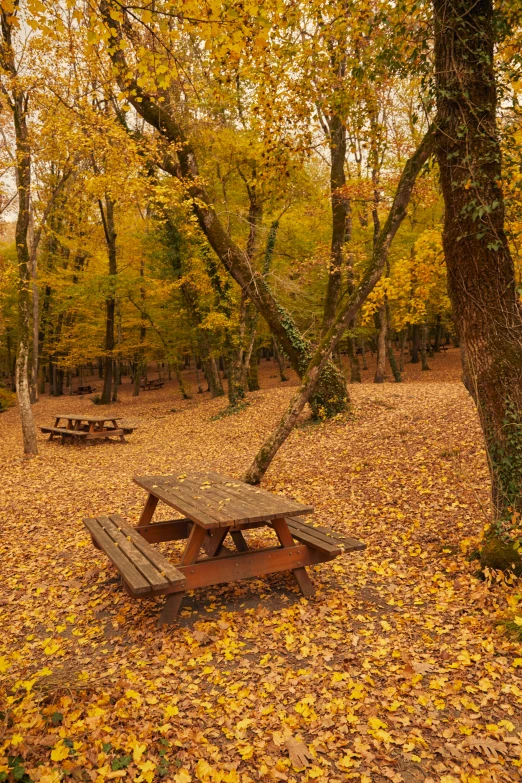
<point>83,417</point>
<point>213,500</point>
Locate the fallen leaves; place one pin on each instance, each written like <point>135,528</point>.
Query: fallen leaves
<point>395,671</point>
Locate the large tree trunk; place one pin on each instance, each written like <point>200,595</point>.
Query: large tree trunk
<point>107,215</point>
<point>481,276</point>
<point>330,395</point>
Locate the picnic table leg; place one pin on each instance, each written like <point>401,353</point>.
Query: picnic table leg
<point>51,435</point>
<point>172,604</point>
<point>239,540</point>
<point>214,540</point>
<point>122,436</point>
<point>148,511</point>
<point>285,538</point>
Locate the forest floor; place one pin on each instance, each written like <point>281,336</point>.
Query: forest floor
<point>399,669</point>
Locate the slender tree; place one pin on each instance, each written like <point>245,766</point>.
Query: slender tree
<point>17,99</point>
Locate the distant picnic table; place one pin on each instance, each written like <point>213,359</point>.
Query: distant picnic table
<point>215,507</point>
<point>155,383</point>
<point>83,427</point>
<point>84,390</point>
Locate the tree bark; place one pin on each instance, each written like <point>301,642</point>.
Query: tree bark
<point>355,367</point>
<point>424,346</point>
<point>382,325</point>
<point>481,275</point>
<point>107,215</point>
<point>337,133</point>
<point>415,342</point>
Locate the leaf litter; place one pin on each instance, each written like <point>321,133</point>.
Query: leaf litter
<point>399,669</point>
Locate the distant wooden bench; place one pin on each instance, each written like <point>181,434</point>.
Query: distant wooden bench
<point>156,383</point>
<point>144,570</point>
<point>64,432</point>
<point>84,390</point>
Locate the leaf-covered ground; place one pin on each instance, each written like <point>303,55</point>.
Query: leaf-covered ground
<point>399,669</point>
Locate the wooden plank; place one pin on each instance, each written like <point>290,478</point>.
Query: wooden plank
<point>301,576</point>
<point>180,502</point>
<point>234,506</point>
<point>140,561</point>
<point>239,540</point>
<point>102,434</point>
<point>148,511</point>
<point>189,556</point>
<point>302,534</point>
<point>137,583</point>
<point>162,564</point>
<point>213,540</point>
<point>64,431</point>
<point>326,534</point>
<point>82,417</point>
<point>208,509</point>
<point>173,530</point>
<point>187,493</point>
<point>232,568</point>
<point>219,494</point>
<point>274,504</point>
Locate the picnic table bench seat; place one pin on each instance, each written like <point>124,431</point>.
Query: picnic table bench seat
<point>143,568</point>
<point>322,538</point>
<point>64,431</point>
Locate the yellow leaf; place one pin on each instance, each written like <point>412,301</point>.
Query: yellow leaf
<point>375,723</point>
<point>182,776</point>
<point>59,752</point>
<point>138,751</point>
<point>52,647</point>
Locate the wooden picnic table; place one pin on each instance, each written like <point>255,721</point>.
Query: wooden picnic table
<point>84,390</point>
<point>214,506</point>
<point>83,427</point>
<point>155,383</point>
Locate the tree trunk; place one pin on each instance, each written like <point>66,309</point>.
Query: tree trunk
<point>107,215</point>
<point>18,104</point>
<point>381,324</point>
<point>415,340</point>
<point>339,210</point>
<point>253,373</point>
<point>280,359</point>
<point>481,275</point>
<point>424,345</point>
<point>438,335</point>
<point>364,361</point>
<point>355,367</point>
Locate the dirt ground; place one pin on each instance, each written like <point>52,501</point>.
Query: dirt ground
<point>398,669</point>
